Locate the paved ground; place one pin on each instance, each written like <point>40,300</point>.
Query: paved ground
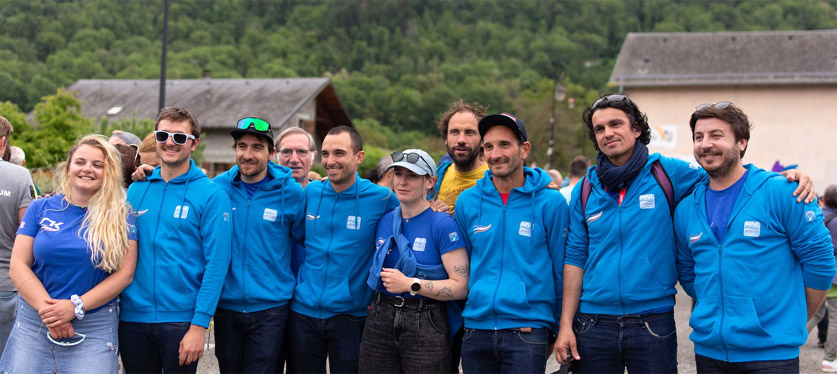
<point>809,359</point>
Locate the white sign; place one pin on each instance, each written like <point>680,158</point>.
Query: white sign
<point>664,136</point>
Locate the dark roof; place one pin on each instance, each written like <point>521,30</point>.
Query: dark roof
<point>218,103</point>
<point>727,58</point>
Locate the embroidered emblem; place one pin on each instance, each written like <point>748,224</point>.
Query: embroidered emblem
<point>593,217</point>
<point>525,229</point>
<point>479,229</point>
<point>419,244</point>
<point>270,214</point>
<point>752,228</point>
<point>646,201</point>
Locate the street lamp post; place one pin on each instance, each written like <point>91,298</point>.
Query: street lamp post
<point>559,92</point>
<point>163,57</point>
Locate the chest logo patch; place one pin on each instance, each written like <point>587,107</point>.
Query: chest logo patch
<point>752,229</point>
<point>181,211</point>
<point>478,229</point>
<point>270,214</point>
<point>525,229</point>
<point>419,244</point>
<point>50,225</point>
<point>594,217</point>
<point>353,223</point>
<point>694,238</point>
<point>646,201</point>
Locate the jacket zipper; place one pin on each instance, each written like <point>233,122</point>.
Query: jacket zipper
<point>157,230</point>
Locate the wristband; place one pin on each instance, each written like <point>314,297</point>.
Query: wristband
<point>79,306</point>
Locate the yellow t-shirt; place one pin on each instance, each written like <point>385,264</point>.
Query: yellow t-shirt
<point>455,182</point>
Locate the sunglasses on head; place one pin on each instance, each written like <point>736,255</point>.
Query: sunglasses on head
<point>412,158</point>
<point>179,138</point>
<point>257,123</point>
<point>607,99</point>
<point>719,105</point>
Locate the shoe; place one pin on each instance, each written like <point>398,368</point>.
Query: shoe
<point>829,366</point>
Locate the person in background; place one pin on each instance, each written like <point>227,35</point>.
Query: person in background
<point>74,253</point>
<point>829,212</point>
<point>578,167</point>
<point>148,152</point>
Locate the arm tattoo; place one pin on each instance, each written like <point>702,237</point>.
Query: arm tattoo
<point>429,286</point>
<point>462,271</point>
<point>446,291</point>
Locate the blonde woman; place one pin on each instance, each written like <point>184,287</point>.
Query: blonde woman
<point>74,253</point>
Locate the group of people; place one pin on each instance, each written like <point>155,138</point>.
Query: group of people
<point>480,259</point>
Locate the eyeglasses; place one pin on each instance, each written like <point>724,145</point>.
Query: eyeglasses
<point>257,123</point>
<point>287,152</point>
<point>607,99</point>
<point>719,105</point>
<point>412,158</point>
<point>76,339</point>
<point>179,138</point>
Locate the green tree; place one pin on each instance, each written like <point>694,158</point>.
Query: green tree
<point>59,125</point>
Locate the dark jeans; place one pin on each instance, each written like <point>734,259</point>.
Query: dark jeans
<point>644,343</point>
<point>314,339</point>
<point>504,351</point>
<point>153,347</point>
<point>706,365</point>
<point>412,338</point>
<point>249,342</point>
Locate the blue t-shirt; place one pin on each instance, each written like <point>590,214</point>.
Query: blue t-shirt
<point>719,206</point>
<point>252,187</point>
<point>61,257</point>
<point>430,235</point>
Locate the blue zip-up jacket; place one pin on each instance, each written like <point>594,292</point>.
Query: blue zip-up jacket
<point>516,252</point>
<point>750,288</point>
<point>627,251</point>
<point>184,228</point>
<point>267,226</point>
<point>339,244</point>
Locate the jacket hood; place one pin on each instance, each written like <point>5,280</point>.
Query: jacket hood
<point>194,173</point>
<point>535,180</point>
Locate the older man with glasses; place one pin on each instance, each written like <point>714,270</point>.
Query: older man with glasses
<point>620,272</point>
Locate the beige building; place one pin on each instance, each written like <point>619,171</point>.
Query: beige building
<point>786,82</point>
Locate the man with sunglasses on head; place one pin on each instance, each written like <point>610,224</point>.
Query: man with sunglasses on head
<point>757,264</point>
<point>267,209</point>
<point>184,229</point>
<point>620,272</point>
<point>331,296</point>
<point>515,229</point>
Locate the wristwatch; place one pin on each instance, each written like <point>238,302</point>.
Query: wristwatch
<point>415,287</point>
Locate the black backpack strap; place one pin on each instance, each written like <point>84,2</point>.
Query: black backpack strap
<point>664,181</point>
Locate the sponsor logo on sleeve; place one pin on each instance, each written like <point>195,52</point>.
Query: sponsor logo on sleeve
<point>453,237</point>
<point>311,217</point>
<point>810,216</point>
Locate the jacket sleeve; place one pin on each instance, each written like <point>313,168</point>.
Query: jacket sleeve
<point>216,239</point>
<point>684,176</point>
<point>685,260</point>
<point>578,240</point>
<point>556,234</point>
<point>809,239</point>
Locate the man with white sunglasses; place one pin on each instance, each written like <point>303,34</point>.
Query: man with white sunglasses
<point>184,228</point>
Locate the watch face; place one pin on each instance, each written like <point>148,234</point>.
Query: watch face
<point>415,286</point>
